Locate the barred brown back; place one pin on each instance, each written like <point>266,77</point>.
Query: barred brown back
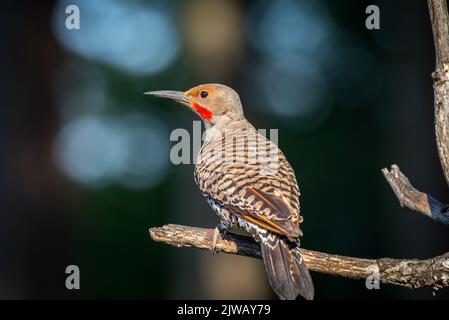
<point>238,158</point>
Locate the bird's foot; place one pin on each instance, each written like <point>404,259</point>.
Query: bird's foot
<point>222,229</point>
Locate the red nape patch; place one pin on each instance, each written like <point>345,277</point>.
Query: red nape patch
<point>204,113</point>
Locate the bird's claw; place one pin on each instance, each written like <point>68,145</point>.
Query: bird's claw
<point>219,229</point>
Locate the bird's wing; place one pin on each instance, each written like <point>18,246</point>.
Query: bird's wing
<point>271,202</point>
<point>250,190</point>
<point>267,211</point>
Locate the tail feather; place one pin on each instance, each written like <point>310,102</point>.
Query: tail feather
<point>286,270</point>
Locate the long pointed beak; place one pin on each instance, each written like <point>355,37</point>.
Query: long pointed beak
<point>178,96</point>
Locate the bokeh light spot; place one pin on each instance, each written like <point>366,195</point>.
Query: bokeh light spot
<point>99,150</point>
<point>132,36</point>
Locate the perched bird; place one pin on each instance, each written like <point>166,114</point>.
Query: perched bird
<point>249,183</point>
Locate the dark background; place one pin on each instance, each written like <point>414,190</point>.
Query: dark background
<point>84,155</point>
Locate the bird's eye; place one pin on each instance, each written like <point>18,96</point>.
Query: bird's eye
<point>204,94</point>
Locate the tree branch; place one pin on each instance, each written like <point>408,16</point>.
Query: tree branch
<point>413,199</point>
<point>440,27</point>
<point>413,273</point>
<point>407,195</point>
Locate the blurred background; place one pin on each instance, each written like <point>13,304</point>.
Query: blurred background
<point>84,155</point>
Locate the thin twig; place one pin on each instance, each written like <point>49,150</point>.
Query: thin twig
<point>413,273</point>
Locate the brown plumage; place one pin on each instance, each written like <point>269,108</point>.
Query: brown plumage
<point>249,183</point>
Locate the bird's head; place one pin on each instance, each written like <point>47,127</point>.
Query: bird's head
<point>214,103</point>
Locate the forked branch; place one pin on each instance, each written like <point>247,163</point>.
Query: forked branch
<point>407,195</point>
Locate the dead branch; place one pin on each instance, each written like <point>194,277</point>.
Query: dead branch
<point>413,199</point>
<point>412,273</point>
<point>407,195</point>
<point>440,27</point>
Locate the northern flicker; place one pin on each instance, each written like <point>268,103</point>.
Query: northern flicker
<point>249,183</point>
